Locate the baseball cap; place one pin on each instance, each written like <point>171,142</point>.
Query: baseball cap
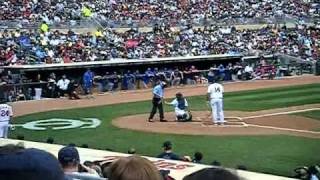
<point>30,164</point>
<point>68,154</point>
<point>167,144</point>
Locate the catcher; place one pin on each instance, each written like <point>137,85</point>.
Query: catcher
<point>181,109</point>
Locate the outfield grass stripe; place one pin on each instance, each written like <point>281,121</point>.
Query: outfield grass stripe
<point>281,94</point>
<point>273,90</point>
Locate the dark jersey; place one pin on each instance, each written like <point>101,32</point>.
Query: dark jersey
<point>169,155</point>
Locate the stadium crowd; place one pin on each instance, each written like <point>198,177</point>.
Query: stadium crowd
<point>18,162</point>
<point>173,11</point>
<point>20,47</point>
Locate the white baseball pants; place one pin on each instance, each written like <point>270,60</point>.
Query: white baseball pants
<point>217,110</point>
<point>4,129</point>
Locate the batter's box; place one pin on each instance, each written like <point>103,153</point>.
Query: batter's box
<point>226,124</point>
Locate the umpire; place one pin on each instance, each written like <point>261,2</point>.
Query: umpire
<point>158,92</point>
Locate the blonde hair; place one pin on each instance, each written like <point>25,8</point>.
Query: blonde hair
<point>133,168</point>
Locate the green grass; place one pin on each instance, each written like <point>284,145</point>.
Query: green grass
<point>313,115</point>
<point>275,154</point>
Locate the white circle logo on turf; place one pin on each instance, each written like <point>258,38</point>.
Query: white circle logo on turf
<point>59,124</point>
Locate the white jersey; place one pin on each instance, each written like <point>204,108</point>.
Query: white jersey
<point>5,113</point>
<point>216,91</point>
<point>63,84</point>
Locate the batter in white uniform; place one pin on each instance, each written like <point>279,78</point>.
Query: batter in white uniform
<point>215,98</point>
<point>5,117</point>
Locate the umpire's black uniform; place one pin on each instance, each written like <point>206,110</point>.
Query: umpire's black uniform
<point>158,92</point>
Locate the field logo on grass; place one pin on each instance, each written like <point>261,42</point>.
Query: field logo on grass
<point>59,124</point>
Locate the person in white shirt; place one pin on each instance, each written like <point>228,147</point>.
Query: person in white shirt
<point>215,99</point>
<point>5,118</point>
<point>248,70</point>
<point>181,109</point>
<point>63,85</point>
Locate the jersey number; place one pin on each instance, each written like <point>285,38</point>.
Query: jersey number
<point>4,113</point>
<point>216,89</point>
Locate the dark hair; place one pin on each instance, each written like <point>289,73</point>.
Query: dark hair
<point>85,146</point>
<point>313,170</point>
<point>50,140</point>
<point>242,167</point>
<point>212,174</point>
<point>10,149</point>
<point>131,151</point>
<point>198,156</point>
<point>20,137</point>
<point>216,163</point>
<point>167,145</point>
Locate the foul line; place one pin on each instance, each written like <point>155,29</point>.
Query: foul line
<point>244,124</point>
<point>280,113</point>
<point>284,129</point>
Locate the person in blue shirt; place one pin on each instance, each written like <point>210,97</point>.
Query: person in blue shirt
<point>167,152</point>
<point>88,81</point>
<point>158,93</point>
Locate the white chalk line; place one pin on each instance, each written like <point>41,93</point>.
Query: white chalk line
<point>280,113</point>
<point>244,124</point>
<point>284,129</point>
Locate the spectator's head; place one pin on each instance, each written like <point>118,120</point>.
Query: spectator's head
<point>167,146</point>
<point>50,140</point>
<point>69,158</point>
<point>215,163</point>
<point>16,162</point>
<point>212,174</point>
<point>242,167</point>
<point>132,151</point>
<point>20,137</point>
<point>197,157</point>
<point>133,168</point>
<point>85,146</point>
<point>64,76</point>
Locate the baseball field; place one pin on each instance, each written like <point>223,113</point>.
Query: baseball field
<point>276,124</point>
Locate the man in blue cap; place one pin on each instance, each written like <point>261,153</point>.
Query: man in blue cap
<point>16,162</point>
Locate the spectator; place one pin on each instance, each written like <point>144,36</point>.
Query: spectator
<point>16,162</point>
<point>248,70</point>
<point>132,168</point>
<point>63,84</point>
<point>212,174</point>
<point>72,93</point>
<point>197,157</point>
<point>132,151</point>
<point>70,161</point>
<point>168,153</point>
<point>176,77</point>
